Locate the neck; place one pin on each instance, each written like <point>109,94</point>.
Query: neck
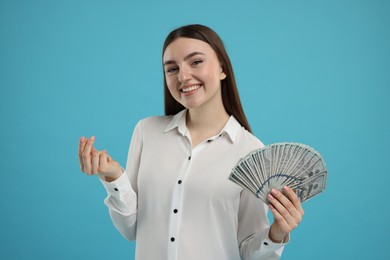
<point>205,122</point>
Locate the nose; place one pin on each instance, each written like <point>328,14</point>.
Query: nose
<point>184,74</point>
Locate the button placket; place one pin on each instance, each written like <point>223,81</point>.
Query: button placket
<point>175,209</point>
<point>176,203</point>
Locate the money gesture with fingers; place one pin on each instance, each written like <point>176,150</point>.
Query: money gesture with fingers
<point>94,162</point>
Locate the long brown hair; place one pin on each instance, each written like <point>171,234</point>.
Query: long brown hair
<point>230,97</point>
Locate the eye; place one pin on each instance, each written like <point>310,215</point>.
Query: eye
<point>196,62</point>
<point>171,69</point>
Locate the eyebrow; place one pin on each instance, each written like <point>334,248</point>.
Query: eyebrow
<point>192,54</point>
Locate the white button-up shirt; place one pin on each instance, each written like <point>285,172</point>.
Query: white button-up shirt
<point>176,201</point>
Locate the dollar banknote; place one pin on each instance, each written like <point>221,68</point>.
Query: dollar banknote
<point>281,164</point>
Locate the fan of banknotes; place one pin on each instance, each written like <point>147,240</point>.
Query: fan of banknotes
<point>293,164</point>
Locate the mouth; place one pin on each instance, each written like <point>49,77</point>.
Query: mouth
<point>190,88</point>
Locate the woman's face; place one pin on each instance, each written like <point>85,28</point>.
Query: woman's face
<point>193,73</point>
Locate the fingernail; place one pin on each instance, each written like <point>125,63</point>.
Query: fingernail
<point>286,188</point>
<point>270,197</point>
<point>82,139</point>
<point>92,138</point>
<point>274,191</point>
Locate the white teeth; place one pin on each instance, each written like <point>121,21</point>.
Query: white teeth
<point>192,88</point>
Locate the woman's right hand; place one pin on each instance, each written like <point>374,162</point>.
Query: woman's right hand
<point>94,162</point>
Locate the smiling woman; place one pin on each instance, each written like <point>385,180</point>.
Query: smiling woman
<point>174,195</point>
<point>193,75</point>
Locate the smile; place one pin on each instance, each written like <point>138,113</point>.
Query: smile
<point>189,89</point>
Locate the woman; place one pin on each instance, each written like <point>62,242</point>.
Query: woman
<point>174,197</point>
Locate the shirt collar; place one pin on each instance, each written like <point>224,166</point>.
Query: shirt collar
<point>178,121</point>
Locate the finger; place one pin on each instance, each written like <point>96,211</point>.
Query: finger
<point>284,206</point>
<point>109,159</point>
<point>280,219</point>
<point>103,161</point>
<point>82,143</point>
<point>86,155</point>
<point>109,167</point>
<point>286,202</point>
<point>94,160</point>
<point>292,196</point>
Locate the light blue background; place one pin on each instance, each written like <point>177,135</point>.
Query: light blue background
<point>315,72</point>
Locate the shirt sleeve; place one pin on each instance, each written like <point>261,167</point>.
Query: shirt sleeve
<point>121,197</point>
<point>253,229</point>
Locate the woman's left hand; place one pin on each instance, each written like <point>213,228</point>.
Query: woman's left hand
<point>287,210</point>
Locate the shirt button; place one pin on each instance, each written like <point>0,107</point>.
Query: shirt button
<point>116,189</point>
<point>209,141</point>
<point>189,158</point>
<point>179,182</point>
<point>175,211</point>
<point>265,243</point>
<point>172,239</point>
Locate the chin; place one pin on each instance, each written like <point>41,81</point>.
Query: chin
<point>192,104</point>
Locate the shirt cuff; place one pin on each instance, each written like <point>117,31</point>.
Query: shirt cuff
<point>120,195</point>
<point>119,187</point>
<point>267,241</point>
<point>266,246</point>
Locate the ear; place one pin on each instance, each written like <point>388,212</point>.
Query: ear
<point>222,76</point>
